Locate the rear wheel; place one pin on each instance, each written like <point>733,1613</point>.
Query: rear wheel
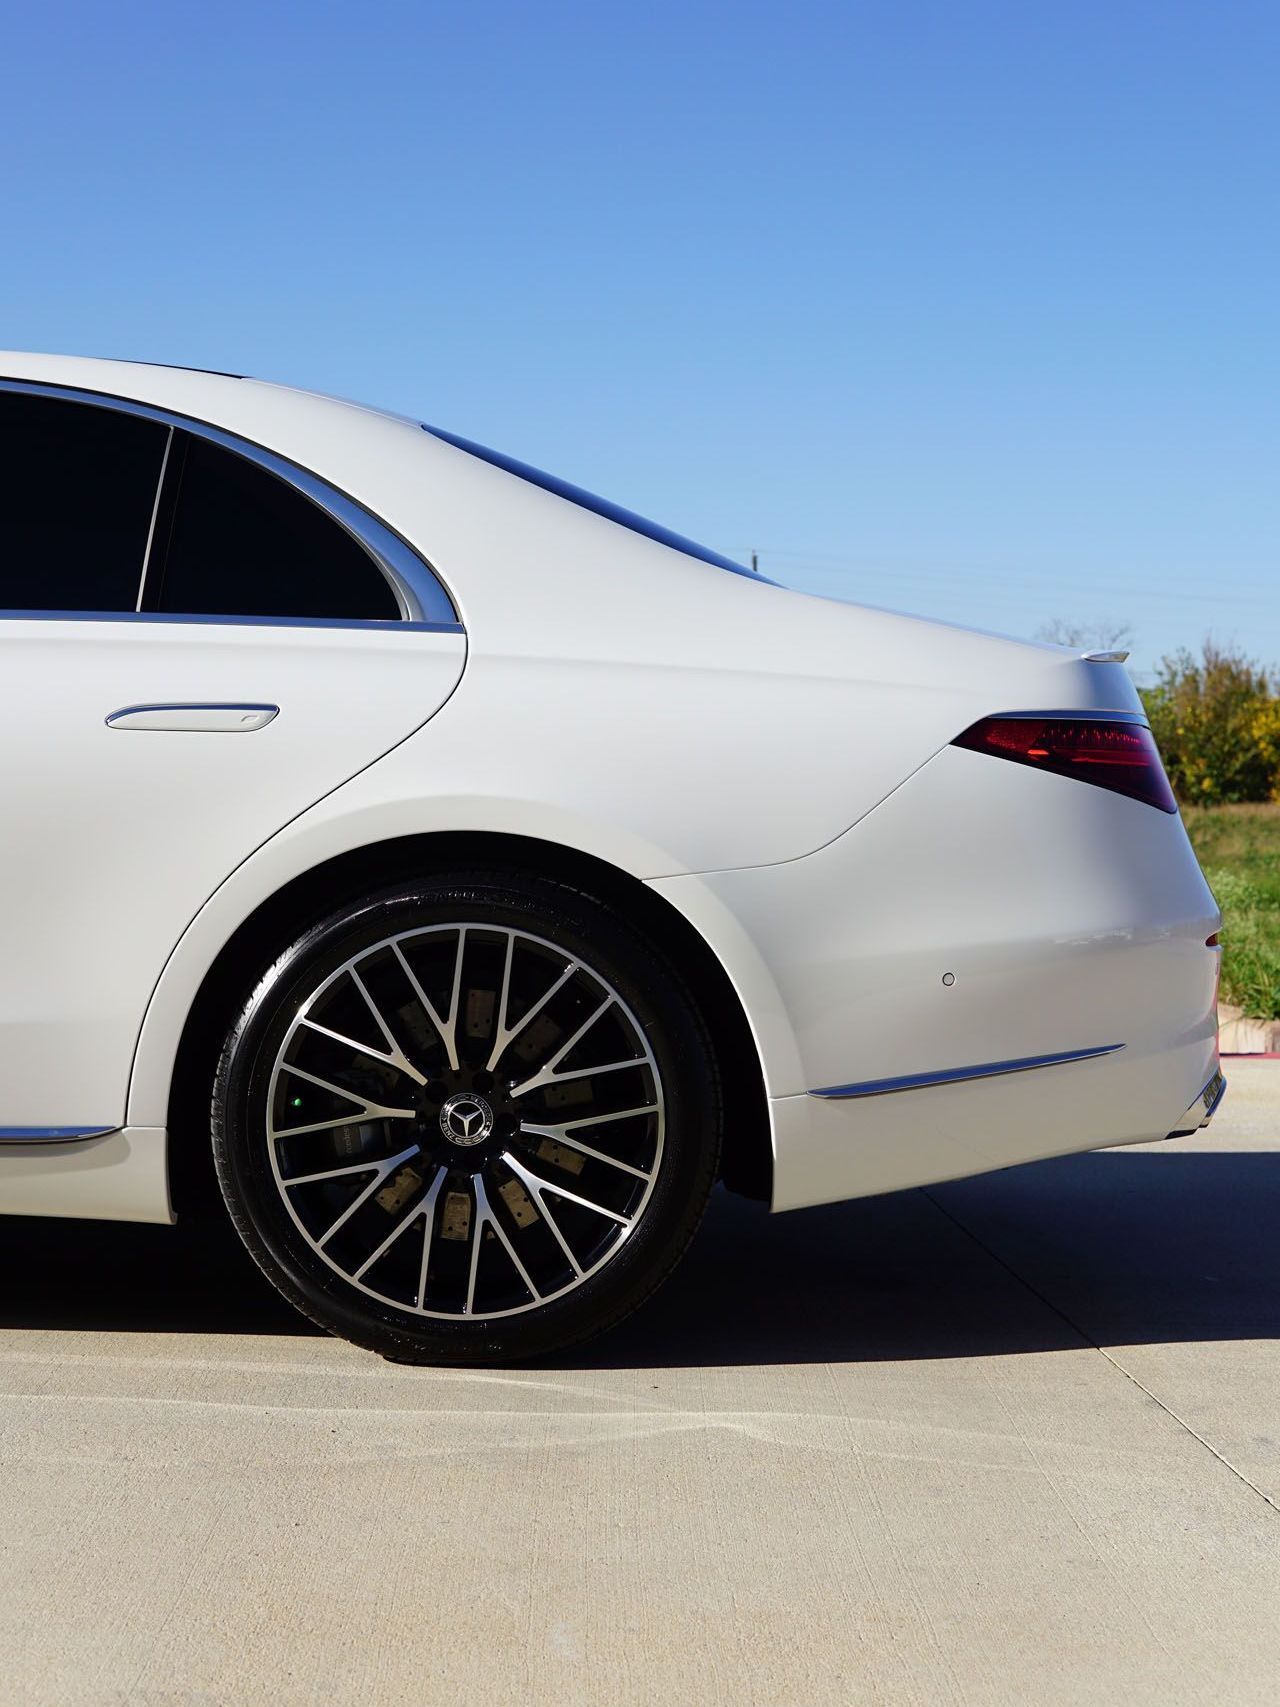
<point>471,1119</point>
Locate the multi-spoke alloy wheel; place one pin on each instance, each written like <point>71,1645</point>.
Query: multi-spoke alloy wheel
<point>446,1121</point>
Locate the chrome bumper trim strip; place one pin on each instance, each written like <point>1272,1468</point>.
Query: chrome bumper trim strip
<point>52,1134</point>
<point>952,1075</point>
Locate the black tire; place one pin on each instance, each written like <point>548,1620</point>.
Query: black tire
<point>539,917</point>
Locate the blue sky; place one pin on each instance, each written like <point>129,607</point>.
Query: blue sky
<point>963,308</point>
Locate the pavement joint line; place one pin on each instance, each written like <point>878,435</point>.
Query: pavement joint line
<point>1088,1340</point>
<point>1123,1585</point>
<point>1183,1423</point>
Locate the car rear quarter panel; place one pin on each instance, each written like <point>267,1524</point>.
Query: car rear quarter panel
<point>1068,918</point>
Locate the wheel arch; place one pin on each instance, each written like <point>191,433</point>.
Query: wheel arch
<point>747,1158</point>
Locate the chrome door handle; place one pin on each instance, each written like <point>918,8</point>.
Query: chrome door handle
<point>194,719</point>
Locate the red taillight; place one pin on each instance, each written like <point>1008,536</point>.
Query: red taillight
<point>1119,756</point>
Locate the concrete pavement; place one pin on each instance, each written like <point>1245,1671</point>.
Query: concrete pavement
<point>1013,1440</point>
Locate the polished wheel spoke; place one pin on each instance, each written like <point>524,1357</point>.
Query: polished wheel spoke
<point>446,1025</point>
<point>569,1196</point>
<point>501,1035</point>
<point>563,1134</point>
<point>507,1035</point>
<point>380,1171</point>
<point>427,1201</point>
<point>396,1059</point>
<point>395,1055</point>
<point>474,1226</point>
<point>364,1110</point>
<point>429,1206</point>
<point>547,1072</point>
<point>342,1171</point>
<point>543,1078</point>
<point>587,1150</point>
<point>485,1217</point>
<point>533,1183</point>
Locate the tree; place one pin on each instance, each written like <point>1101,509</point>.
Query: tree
<point>1216,721</point>
<point>1104,634</point>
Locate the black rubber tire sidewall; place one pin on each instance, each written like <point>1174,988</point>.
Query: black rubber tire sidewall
<point>580,925</point>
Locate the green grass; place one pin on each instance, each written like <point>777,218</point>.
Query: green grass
<point>1239,848</point>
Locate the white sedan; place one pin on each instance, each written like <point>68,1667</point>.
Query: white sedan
<point>454,875</point>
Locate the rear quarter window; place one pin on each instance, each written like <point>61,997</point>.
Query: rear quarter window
<point>243,542</point>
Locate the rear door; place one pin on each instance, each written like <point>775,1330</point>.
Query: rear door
<point>196,644</point>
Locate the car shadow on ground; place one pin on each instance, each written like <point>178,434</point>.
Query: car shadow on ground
<point>1118,1247</point>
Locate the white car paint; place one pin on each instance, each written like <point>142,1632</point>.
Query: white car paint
<point>132,830</point>
<point>777,767</point>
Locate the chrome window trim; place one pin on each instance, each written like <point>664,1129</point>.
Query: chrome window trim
<point>394,624</point>
<point>420,594</point>
<point>953,1075</point>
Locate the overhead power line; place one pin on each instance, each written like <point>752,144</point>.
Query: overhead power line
<point>994,580</point>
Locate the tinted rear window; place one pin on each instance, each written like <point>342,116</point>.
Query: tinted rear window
<point>598,506</point>
<point>244,543</point>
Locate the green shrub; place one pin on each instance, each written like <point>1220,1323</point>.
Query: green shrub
<point>1232,892</point>
<point>1251,944</point>
<point>1239,848</point>
<point>1216,721</point>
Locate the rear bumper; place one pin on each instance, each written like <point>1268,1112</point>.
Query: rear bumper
<point>946,1131</point>
<point>993,966</point>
